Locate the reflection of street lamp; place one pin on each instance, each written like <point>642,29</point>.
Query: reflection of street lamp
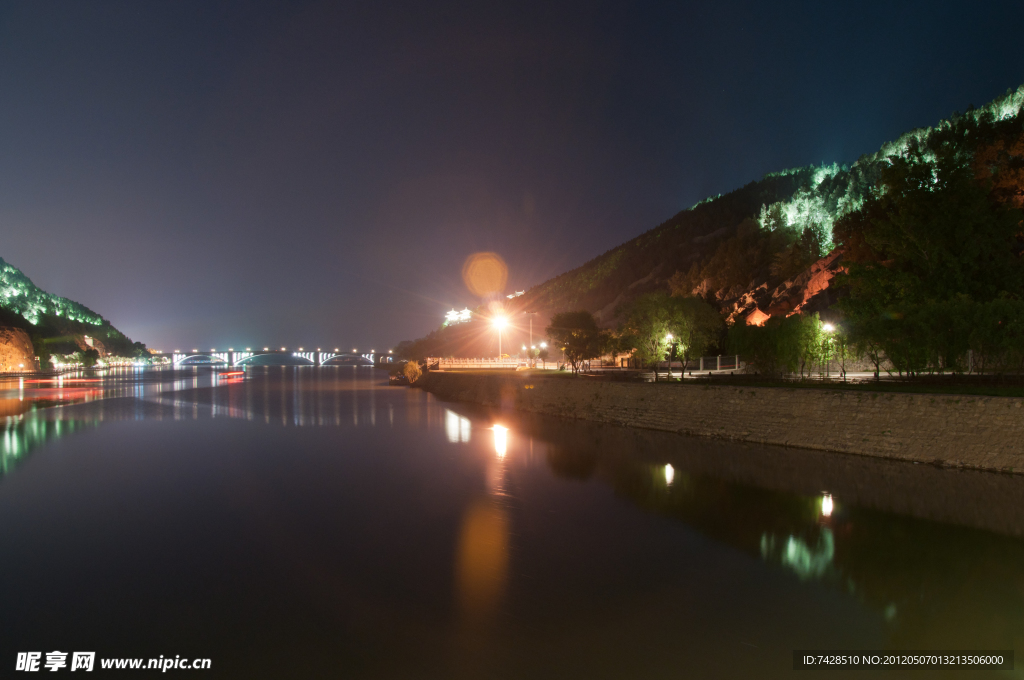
<point>827,505</point>
<point>500,440</point>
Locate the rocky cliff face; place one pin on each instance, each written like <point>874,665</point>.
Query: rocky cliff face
<point>806,293</point>
<point>16,353</point>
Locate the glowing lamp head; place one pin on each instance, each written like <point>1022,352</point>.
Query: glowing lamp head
<point>543,345</point>
<point>669,337</point>
<point>828,328</point>
<point>499,322</point>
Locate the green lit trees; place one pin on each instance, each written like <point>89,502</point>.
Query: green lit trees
<point>655,322</point>
<point>934,266</point>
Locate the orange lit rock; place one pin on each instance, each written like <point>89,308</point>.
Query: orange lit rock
<point>808,292</point>
<point>16,353</point>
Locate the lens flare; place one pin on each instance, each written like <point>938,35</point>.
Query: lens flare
<point>485,274</point>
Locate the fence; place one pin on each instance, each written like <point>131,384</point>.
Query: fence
<point>442,364</point>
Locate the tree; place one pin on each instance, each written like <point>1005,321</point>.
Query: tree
<point>698,326</point>
<point>649,320</point>
<point>577,334</point>
<point>412,371</point>
<point>929,245</point>
<point>656,323</point>
<point>781,345</point>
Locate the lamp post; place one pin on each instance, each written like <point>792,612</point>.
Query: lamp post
<point>671,355</point>
<point>828,328</point>
<point>499,323</point>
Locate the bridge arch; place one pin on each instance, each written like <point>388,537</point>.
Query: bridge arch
<point>207,360</point>
<point>274,359</point>
<point>347,360</point>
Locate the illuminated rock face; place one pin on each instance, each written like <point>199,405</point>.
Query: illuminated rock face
<point>805,293</point>
<point>16,353</point>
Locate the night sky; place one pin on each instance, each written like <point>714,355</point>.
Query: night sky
<point>229,174</point>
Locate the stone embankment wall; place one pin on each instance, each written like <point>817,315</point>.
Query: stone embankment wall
<point>16,353</point>
<point>963,431</point>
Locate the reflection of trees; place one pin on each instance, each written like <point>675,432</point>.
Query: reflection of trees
<point>937,584</point>
<point>24,435</point>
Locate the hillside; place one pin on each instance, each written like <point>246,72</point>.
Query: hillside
<point>746,249</point>
<point>56,324</point>
<point>769,248</point>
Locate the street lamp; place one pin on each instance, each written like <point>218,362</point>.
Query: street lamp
<point>500,323</point>
<point>828,328</point>
<point>672,353</point>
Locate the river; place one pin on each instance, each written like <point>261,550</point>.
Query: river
<point>307,523</point>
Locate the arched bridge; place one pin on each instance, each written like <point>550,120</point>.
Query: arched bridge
<point>233,358</point>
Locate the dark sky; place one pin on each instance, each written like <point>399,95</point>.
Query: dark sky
<point>213,174</point>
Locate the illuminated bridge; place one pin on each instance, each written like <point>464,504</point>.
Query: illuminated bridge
<point>233,358</point>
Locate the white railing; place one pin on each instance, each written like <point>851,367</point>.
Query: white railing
<point>443,364</point>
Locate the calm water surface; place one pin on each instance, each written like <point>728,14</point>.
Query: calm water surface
<point>308,523</point>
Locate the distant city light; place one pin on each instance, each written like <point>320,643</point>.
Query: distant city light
<point>282,349</point>
<point>266,349</point>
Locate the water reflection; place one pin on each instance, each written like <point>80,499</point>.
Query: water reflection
<point>934,583</point>
<point>23,435</point>
<point>500,440</point>
<point>456,427</point>
<point>482,561</point>
<point>934,555</point>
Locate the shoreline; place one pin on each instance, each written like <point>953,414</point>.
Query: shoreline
<point>957,431</point>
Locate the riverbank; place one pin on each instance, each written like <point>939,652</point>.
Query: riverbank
<point>977,432</point>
